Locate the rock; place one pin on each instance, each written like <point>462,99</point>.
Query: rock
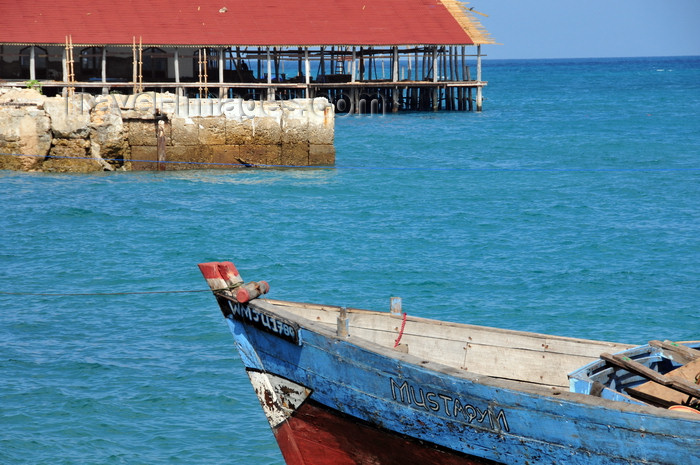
<point>295,129</point>
<point>69,148</point>
<point>239,132</point>
<point>144,157</point>
<point>71,165</point>
<point>70,116</point>
<point>24,97</point>
<point>295,154</point>
<point>188,158</point>
<point>268,155</point>
<point>82,133</point>
<point>212,130</point>
<point>141,132</point>
<point>225,156</point>
<point>321,123</point>
<point>266,130</point>
<point>108,141</point>
<point>321,154</point>
<point>23,131</point>
<point>184,132</point>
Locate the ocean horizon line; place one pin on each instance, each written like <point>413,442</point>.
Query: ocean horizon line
<point>486,58</point>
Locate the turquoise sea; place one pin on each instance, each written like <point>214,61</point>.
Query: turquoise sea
<point>570,205</point>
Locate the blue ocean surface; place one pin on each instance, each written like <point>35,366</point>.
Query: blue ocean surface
<point>570,205</point>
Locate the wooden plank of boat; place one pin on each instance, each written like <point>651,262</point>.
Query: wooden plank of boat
<point>636,367</point>
<point>680,353</point>
<point>500,353</point>
<point>663,396</point>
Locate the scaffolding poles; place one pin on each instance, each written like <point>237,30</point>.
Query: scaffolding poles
<point>203,73</point>
<point>69,67</point>
<point>137,64</point>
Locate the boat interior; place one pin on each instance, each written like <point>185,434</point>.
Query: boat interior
<point>664,374</point>
<point>499,353</point>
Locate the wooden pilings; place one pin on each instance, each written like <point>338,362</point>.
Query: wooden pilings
<point>478,78</point>
<point>398,78</point>
<point>160,144</point>
<point>425,78</point>
<point>365,98</point>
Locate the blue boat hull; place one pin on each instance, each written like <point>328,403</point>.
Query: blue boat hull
<point>334,397</point>
<point>472,419</point>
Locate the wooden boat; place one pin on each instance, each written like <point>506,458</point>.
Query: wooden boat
<point>350,386</point>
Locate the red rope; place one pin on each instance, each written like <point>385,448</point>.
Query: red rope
<point>403,325</point>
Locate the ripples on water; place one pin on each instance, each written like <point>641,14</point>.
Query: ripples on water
<point>569,206</point>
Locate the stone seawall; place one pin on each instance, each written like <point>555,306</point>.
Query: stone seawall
<point>84,133</point>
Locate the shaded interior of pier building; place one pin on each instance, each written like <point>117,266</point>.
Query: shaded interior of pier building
<point>363,56</point>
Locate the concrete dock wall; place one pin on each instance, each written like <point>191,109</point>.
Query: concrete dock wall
<point>83,133</point>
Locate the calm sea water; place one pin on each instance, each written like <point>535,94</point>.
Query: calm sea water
<point>570,206</point>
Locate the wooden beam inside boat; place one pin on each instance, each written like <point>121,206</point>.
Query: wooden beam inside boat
<point>680,353</point>
<point>656,394</point>
<point>641,370</point>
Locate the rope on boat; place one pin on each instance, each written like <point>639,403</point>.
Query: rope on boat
<point>403,325</point>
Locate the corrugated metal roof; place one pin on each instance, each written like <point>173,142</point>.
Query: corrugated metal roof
<point>238,22</point>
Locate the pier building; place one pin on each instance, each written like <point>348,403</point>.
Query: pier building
<point>362,55</point>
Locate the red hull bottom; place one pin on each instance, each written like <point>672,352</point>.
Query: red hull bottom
<point>315,435</point>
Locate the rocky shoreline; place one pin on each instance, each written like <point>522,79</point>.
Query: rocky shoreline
<point>86,133</point>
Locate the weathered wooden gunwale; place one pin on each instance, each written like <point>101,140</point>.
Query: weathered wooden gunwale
<point>533,358</point>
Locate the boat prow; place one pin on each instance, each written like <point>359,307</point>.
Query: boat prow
<point>343,385</point>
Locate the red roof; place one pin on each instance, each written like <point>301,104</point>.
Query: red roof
<point>234,22</point>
